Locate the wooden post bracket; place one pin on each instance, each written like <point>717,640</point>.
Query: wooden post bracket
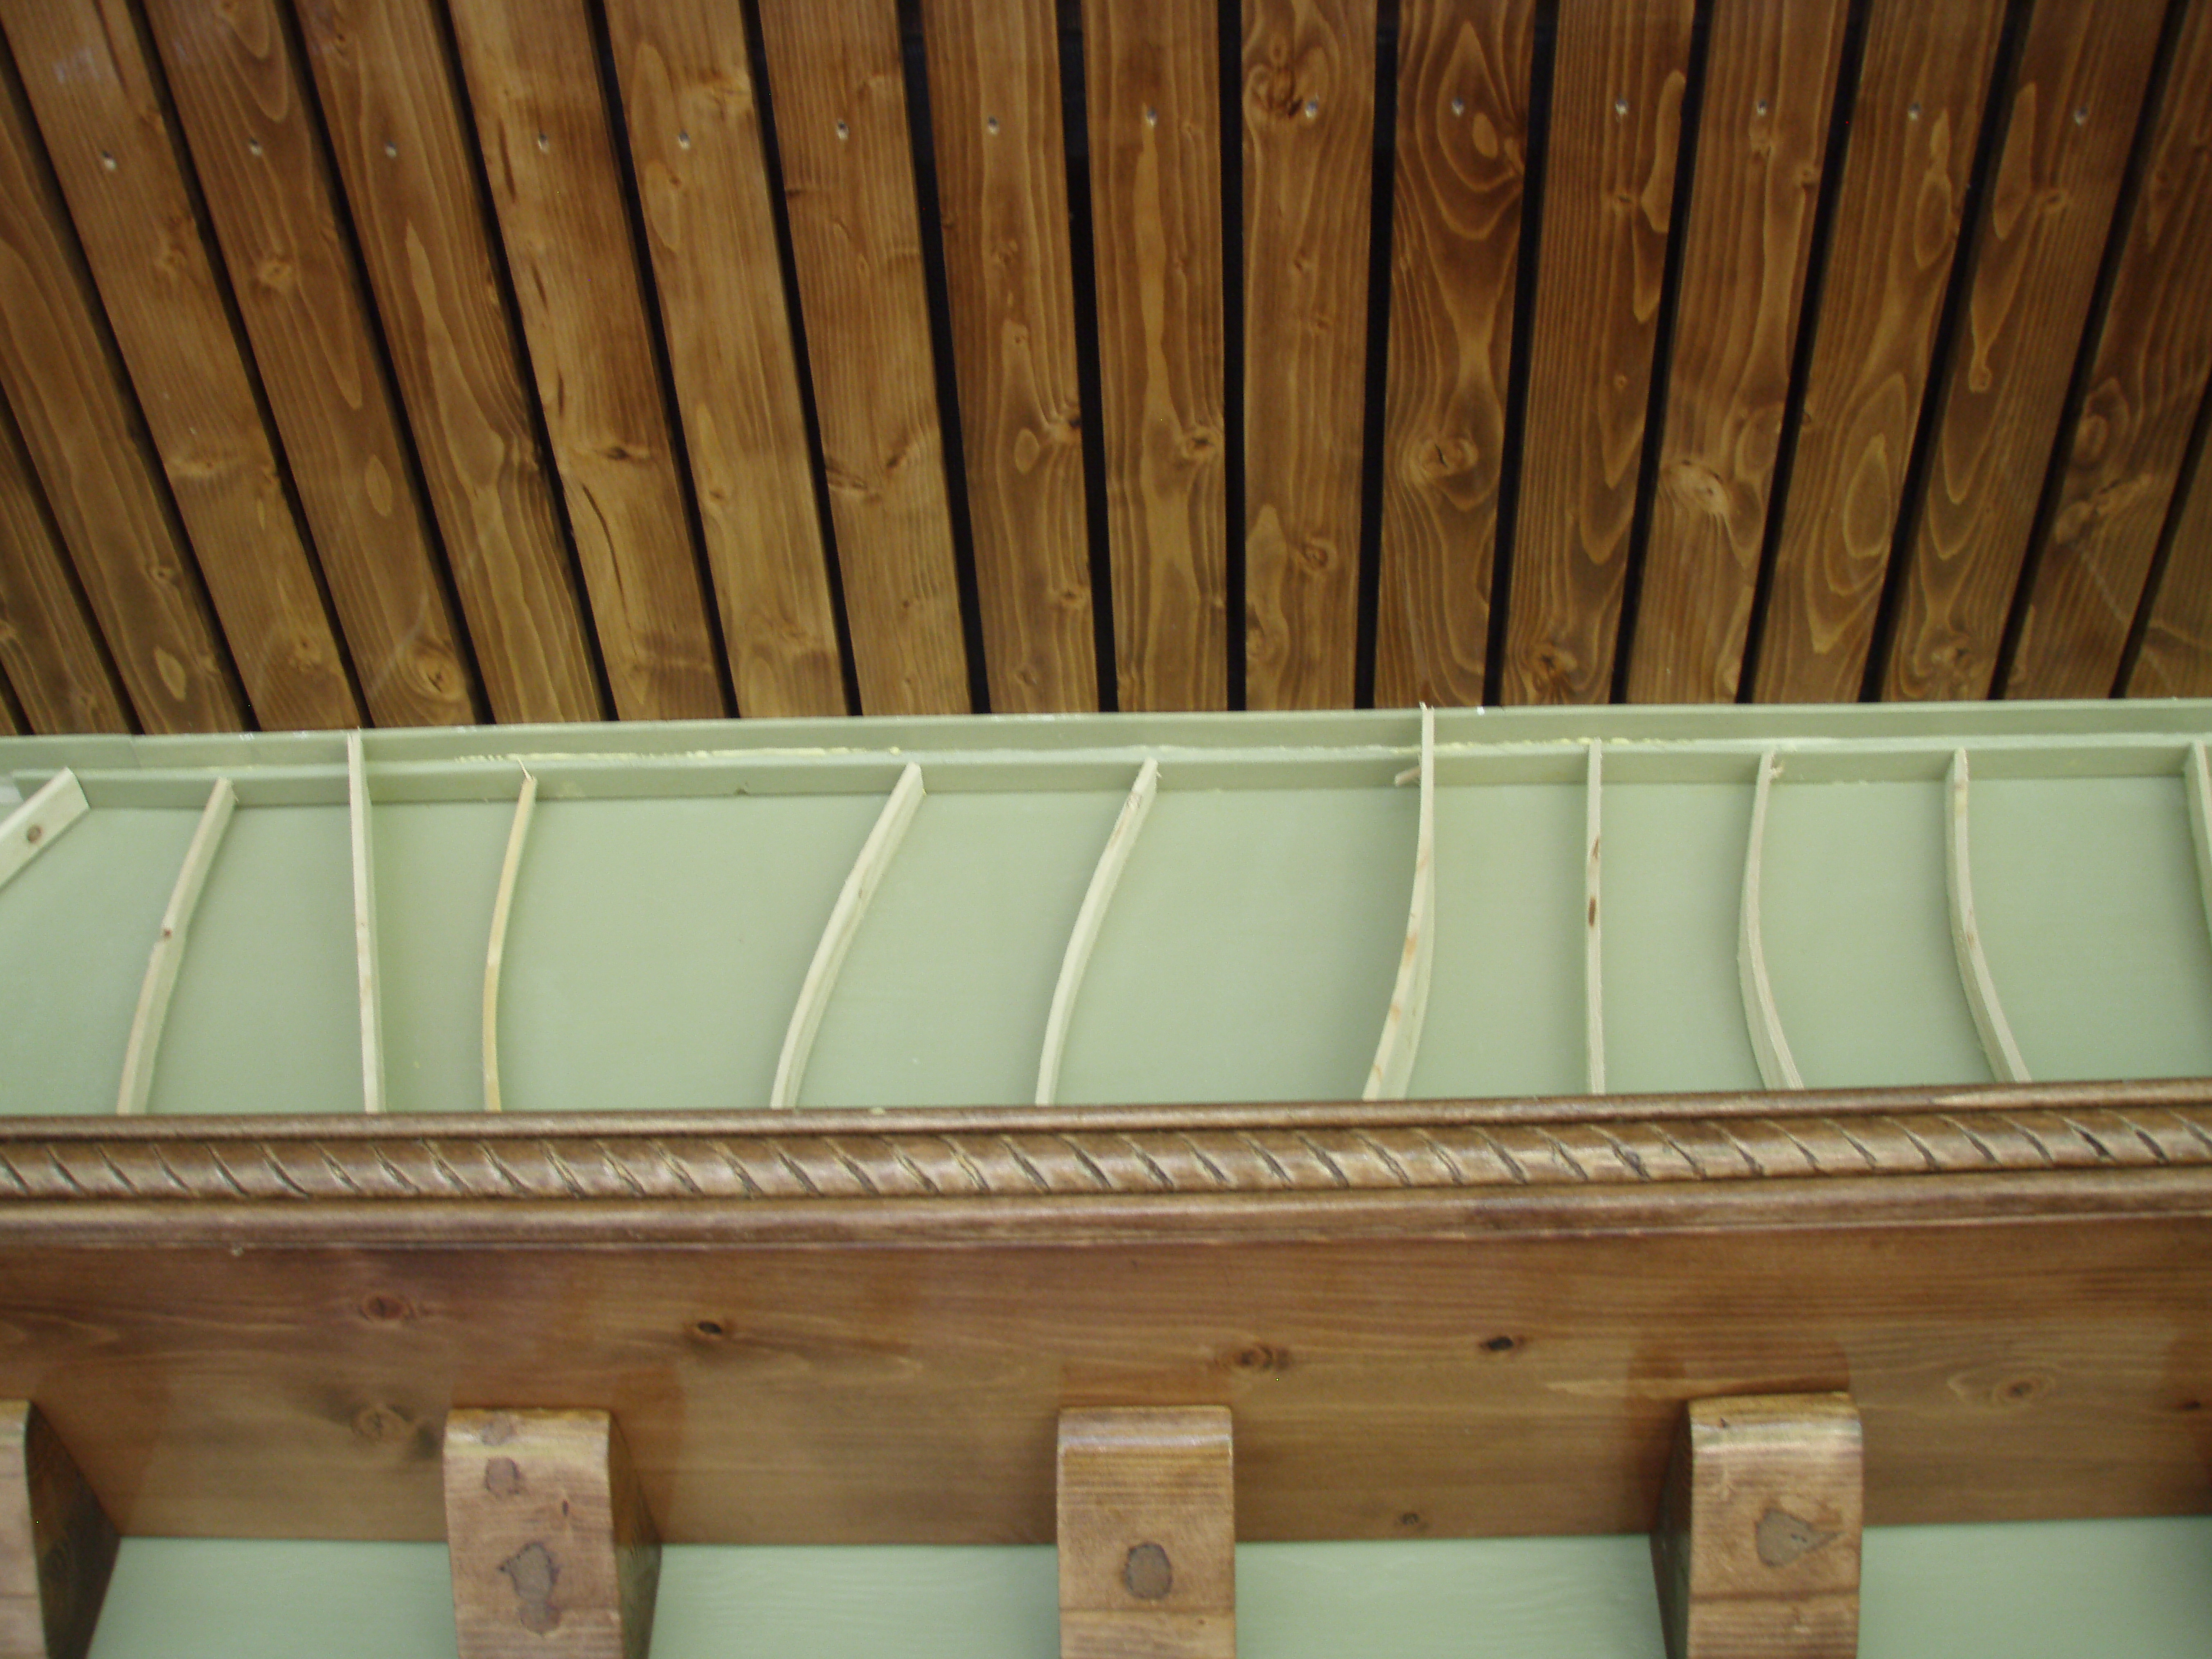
<point>554,1553</point>
<point>1147,1534</point>
<point>1757,1545</point>
<point>57,1545</point>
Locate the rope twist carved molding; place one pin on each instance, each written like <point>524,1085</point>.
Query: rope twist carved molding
<point>1197,1160</point>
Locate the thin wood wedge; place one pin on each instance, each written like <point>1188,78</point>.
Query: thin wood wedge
<point>502,907</point>
<point>38,823</point>
<point>168,955</point>
<point>364,927</point>
<point>1776,1069</point>
<point>1104,879</point>
<point>1989,1020</point>
<point>2196,783</point>
<point>1593,936</point>
<point>1391,1074</point>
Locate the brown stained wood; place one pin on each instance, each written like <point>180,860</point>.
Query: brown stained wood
<point>556,187</point>
<point>241,101</point>
<point>840,92</point>
<point>1309,122</point>
<point>88,79</point>
<point>10,723</point>
<point>696,144</point>
<point>1757,1546</point>
<point>396,132</point>
<point>1618,81</point>
<point>1147,1510</point>
<point>1463,69</point>
<point>1922,85</point>
<point>2076,102</point>
<point>57,1547</point>
<point>1770,82</point>
<point>1152,92</point>
<point>1002,187</point>
<point>47,649</point>
<point>2176,659</point>
<point>554,1551</point>
<point>2154,356</point>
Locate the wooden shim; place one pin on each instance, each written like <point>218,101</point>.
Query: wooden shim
<point>502,908</point>
<point>1391,1074</point>
<point>557,189</point>
<point>695,141</point>
<point>2037,249</point>
<point>38,822</point>
<point>47,643</point>
<point>168,955</point>
<point>364,926</point>
<point>2176,659</point>
<point>1147,1533</point>
<point>1776,1069</point>
<point>2197,784</point>
<point>995,99</point>
<point>93,90</point>
<point>840,92</point>
<point>1120,841</point>
<point>1463,71</point>
<point>1762,138</point>
<point>1153,87</point>
<point>1593,924</point>
<point>843,926</point>
<point>2128,446</point>
<point>396,129</point>
<point>1922,84</point>
<point>2003,1054</point>
<point>243,101</point>
<point>555,1553</point>
<point>1617,89</point>
<point>1756,1548</point>
<point>1309,125</point>
<point>56,1544</point>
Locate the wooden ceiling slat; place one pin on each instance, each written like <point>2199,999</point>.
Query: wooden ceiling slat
<point>92,92</point>
<point>695,139</point>
<point>2176,658</point>
<point>47,648</point>
<point>995,100</point>
<point>556,187</point>
<point>1762,135</point>
<point>243,103</point>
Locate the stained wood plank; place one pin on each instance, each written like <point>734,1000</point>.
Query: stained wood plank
<point>1308,125</point>
<point>396,129</point>
<point>557,188</point>
<point>2043,222</point>
<point>2154,357</point>
<point>47,647</point>
<point>1922,84</point>
<point>1618,81</point>
<point>241,102</point>
<point>1462,135</point>
<point>1147,1530</point>
<point>1770,82</point>
<point>10,726</point>
<point>840,96</point>
<point>2176,658</point>
<point>1151,78</point>
<point>1002,187</point>
<point>57,1545</point>
<point>695,141</point>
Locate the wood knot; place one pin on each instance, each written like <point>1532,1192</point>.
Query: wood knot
<point>1782,1537</point>
<point>1148,1573</point>
<point>384,1307</point>
<point>1502,1344</point>
<point>503,1477</point>
<point>533,1573</point>
<point>1263,1357</point>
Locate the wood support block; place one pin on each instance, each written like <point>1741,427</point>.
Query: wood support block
<point>57,1546</point>
<point>1757,1547</point>
<point>1147,1534</point>
<point>554,1553</point>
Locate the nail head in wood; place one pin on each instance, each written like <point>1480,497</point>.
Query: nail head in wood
<point>57,1545</point>
<point>1757,1547</point>
<point>1147,1534</point>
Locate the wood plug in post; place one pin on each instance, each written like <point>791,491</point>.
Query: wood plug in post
<point>554,1553</point>
<point>57,1545</point>
<point>1757,1547</point>
<point>1147,1534</point>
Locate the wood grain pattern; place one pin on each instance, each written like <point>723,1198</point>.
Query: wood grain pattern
<point>1002,187</point>
<point>2044,224</point>
<point>1922,85</point>
<point>1462,138</point>
<point>10,722</point>
<point>1152,74</point>
<point>695,144</point>
<point>241,102</point>
<point>57,1547</point>
<point>1309,122</point>
<point>1147,1533</point>
<point>396,129</point>
<point>90,83</point>
<point>840,94</point>
<point>557,188</point>
<point>2154,358</point>
<point>47,648</point>
<point>2176,659</point>
<point>1769,84</point>
<point>1618,81</point>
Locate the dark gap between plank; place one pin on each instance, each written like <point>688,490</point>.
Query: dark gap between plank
<point>1230,69</point>
<point>14,709</point>
<point>1373,417</point>
<point>1083,253</point>
<point>2192,460</point>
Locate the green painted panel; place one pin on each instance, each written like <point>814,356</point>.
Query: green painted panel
<point>437,872</point>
